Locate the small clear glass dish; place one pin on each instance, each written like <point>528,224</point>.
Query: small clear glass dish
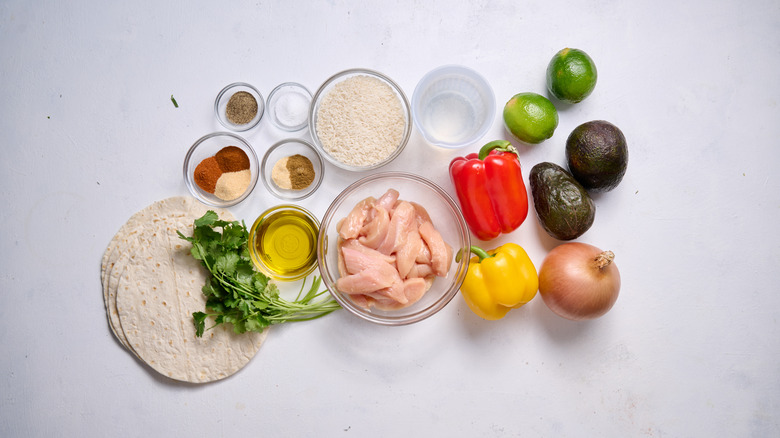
<point>453,106</point>
<point>208,146</point>
<point>237,122</point>
<point>288,106</point>
<point>283,242</point>
<point>285,149</point>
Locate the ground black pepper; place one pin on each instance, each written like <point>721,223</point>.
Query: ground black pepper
<point>241,108</point>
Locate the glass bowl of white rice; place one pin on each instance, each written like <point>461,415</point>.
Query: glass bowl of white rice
<point>360,120</point>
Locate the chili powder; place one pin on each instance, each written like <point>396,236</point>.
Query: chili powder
<point>206,174</point>
<point>232,159</point>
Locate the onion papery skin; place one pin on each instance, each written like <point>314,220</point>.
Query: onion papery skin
<point>573,286</point>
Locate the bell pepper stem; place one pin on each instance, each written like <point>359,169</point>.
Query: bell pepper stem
<point>479,252</point>
<point>498,145</point>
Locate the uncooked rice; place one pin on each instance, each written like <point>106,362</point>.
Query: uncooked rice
<point>360,122</point>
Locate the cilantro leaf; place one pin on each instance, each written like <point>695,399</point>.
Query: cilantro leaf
<point>235,292</point>
<point>207,219</point>
<point>200,323</point>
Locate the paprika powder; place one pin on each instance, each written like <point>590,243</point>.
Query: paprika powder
<point>225,175</point>
<point>490,189</point>
<point>206,174</point>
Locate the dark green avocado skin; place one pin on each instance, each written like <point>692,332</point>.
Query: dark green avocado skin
<point>563,206</point>
<point>597,155</point>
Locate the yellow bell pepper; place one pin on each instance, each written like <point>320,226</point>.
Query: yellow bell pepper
<point>499,280</point>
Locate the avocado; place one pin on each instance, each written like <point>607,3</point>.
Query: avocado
<point>563,206</point>
<point>597,155</point>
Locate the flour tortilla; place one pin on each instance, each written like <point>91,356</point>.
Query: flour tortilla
<point>153,285</point>
<point>127,239</point>
<point>167,208</point>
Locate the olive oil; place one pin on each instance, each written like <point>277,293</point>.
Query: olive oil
<point>286,243</point>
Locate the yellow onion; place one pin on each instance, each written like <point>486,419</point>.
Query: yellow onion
<point>579,281</point>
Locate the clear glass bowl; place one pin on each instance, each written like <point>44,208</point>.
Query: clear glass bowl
<point>453,106</point>
<point>447,219</point>
<point>283,242</point>
<point>220,106</point>
<point>329,86</point>
<point>286,148</point>
<point>207,146</point>
<point>288,106</point>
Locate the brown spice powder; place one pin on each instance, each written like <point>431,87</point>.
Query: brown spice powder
<point>301,171</point>
<point>232,159</point>
<point>241,108</point>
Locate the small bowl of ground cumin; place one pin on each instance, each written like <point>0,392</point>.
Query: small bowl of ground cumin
<point>292,169</point>
<point>360,120</point>
<point>239,107</point>
<point>221,169</point>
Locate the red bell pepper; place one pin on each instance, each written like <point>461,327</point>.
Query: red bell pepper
<point>490,189</point>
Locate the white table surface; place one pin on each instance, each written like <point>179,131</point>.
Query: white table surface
<point>692,347</point>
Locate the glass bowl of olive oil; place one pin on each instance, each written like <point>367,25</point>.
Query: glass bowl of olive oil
<point>283,242</point>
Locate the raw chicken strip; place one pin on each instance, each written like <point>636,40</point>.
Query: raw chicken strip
<point>401,221</point>
<point>414,289</point>
<point>387,201</point>
<point>395,292</point>
<point>407,254</point>
<point>363,301</point>
<point>420,270</point>
<point>368,280</point>
<point>349,227</point>
<point>356,245</point>
<point>356,261</point>
<point>341,266</point>
<point>373,233</point>
<point>441,252</point>
<point>421,214</point>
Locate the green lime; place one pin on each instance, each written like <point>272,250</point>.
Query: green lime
<point>571,75</point>
<point>530,117</point>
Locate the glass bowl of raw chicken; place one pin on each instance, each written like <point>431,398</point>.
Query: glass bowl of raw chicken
<point>387,248</point>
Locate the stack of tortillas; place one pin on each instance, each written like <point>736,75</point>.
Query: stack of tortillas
<point>151,287</point>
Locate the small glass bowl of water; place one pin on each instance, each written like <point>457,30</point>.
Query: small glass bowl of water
<point>453,106</point>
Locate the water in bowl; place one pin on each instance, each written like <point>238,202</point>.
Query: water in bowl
<point>449,117</point>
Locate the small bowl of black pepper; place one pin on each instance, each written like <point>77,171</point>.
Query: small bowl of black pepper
<point>292,169</point>
<point>239,106</point>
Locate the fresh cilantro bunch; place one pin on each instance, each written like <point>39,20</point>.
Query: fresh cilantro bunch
<point>235,292</point>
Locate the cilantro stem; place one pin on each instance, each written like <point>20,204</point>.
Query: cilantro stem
<point>236,292</point>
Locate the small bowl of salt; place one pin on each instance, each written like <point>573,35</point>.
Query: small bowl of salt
<point>292,169</point>
<point>288,105</point>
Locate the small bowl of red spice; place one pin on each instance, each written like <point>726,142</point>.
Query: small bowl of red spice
<point>221,169</point>
<point>239,106</point>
